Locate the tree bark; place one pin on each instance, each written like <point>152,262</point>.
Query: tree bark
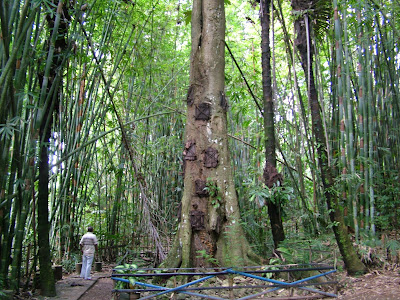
<point>303,44</point>
<point>47,283</point>
<point>209,232</point>
<point>274,208</point>
<point>50,87</point>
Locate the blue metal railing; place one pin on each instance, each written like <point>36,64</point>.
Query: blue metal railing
<point>153,290</point>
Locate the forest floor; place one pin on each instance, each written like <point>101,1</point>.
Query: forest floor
<point>377,284</point>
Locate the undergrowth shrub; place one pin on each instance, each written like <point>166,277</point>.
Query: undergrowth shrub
<point>69,263</point>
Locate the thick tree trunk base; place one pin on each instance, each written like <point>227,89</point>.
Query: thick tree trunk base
<point>233,250</point>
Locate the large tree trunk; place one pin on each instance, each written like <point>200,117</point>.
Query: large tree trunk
<point>274,208</point>
<point>303,44</point>
<point>50,88</point>
<point>209,231</point>
<point>47,283</point>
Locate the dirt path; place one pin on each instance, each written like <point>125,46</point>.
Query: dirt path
<point>101,290</point>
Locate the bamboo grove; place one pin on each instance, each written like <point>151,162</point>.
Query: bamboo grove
<point>92,119</point>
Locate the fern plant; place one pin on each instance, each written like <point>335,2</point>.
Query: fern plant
<point>214,191</point>
<point>207,257</point>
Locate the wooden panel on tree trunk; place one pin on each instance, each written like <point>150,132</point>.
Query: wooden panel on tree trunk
<point>190,96</point>
<point>201,190</point>
<point>203,112</point>
<point>271,176</point>
<point>197,218</point>
<point>211,158</point>
<point>190,151</point>
<point>224,102</point>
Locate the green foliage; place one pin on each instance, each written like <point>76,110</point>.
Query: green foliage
<point>255,228</point>
<point>260,193</point>
<point>368,249</point>
<point>127,269</point>
<point>69,263</point>
<point>388,201</point>
<point>272,261</point>
<point>303,251</point>
<point>8,130</point>
<point>333,224</point>
<point>392,246</point>
<point>207,257</point>
<point>188,16</point>
<point>214,192</point>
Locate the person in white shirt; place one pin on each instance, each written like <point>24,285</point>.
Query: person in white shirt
<point>88,246</point>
